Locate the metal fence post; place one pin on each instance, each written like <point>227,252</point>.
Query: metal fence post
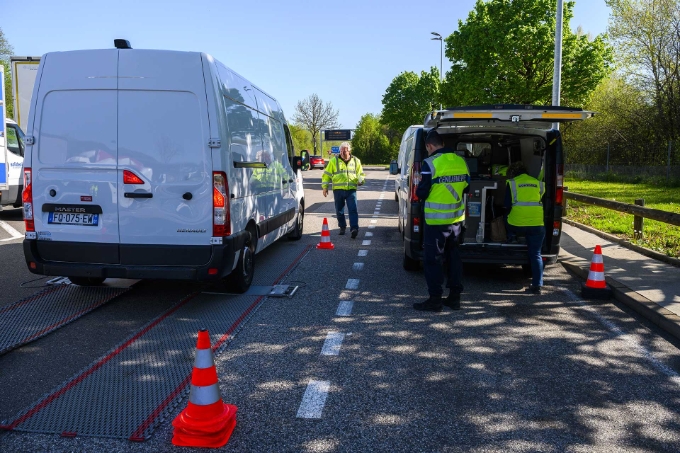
<point>638,222</point>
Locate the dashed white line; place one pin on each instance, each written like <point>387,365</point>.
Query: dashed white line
<point>345,308</point>
<point>369,234</point>
<point>332,344</point>
<point>352,283</point>
<point>371,226</point>
<point>374,221</point>
<point>363,253</point>
<point>358,266</point>
<point>366,242</point>
<point>314,399</point>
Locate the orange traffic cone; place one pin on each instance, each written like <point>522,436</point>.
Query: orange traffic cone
<point>325,237</point>
<point>595,286</point>
<point>207,421</point>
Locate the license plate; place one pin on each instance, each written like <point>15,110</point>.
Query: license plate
<point>65,218</point>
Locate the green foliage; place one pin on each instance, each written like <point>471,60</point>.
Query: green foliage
<point>409,98</point>
<point>504,54</point>
<point>658,236</point>
<point>6,51</point>
<point>370,144</point>
<point>302,139</point>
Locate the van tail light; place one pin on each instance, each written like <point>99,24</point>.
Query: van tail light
<point>559,185</point>
<point>221,219</point>
<point>131,178</point>
<point>415,180</point>
<point>27,199</point>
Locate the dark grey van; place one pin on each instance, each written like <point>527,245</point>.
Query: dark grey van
<point>490,138</point>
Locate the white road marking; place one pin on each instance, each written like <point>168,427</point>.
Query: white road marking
<point>369,234</point>
<point>314,399</point>
<point>376,212</point>
<point>12,232</point>
<point>332,344</point>
<point>374,221</point>
<point>366,242</point>
<point>626,338</point>
<point>352,283</point>
<point>371,226</point>
<point>358,266</point>
<point>345,308</point>
<point>363,253</point>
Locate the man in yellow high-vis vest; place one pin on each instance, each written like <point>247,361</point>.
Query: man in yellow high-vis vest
<point>525,217</point>
<point>445,179</point>
<point>345,173</point>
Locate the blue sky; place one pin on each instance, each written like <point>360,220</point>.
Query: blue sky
<point>347,51</point>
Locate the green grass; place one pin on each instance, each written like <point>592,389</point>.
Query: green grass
<point>658,236</point>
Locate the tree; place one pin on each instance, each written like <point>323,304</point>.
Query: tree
<point>6,51</point>
<point>409,98</point>
<point>646,35</point>
<point>313,115</point>
<point>302,139</point>
<point>504,53</point>
<point>369,143</point>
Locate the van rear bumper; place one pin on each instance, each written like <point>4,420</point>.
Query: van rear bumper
<point>222,258</point>
<point>492,254</point>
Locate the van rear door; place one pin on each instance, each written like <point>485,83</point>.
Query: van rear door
<point>163,135</point>
<point>74,158</point>
<point>532,117</point>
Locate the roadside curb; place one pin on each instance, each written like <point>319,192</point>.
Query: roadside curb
<point>665,319</point>
<point>622,242</point>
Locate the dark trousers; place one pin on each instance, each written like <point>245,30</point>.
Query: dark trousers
<point>535,236</point>
<point>437,253</point>
<point>341,197</point>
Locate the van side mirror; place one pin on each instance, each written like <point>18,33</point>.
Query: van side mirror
<point>394,167</point>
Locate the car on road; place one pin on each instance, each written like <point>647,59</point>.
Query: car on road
<point>489,138</point>
<point>317,162</point>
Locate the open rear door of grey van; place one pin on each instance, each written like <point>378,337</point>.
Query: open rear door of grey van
<point>74,158</point>
<point>531,117</point>
<point>166,176</point>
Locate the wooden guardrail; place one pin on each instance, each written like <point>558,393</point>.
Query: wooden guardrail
<point>638,210</point>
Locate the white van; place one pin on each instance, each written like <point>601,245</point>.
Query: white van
<point>11,178</point>
<point>154,164</point>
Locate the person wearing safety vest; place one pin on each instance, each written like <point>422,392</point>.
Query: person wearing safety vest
<point>346,173</point>
<point>525,217</point>
<point>445,179</point>
<point>500,170</point>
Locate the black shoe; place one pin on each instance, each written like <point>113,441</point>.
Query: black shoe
<point>453,301</point>
<point>342,232</point>
<point>431,304</point>
<point>354,234</point>
<point>533,289</point>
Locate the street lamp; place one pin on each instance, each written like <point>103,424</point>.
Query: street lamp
<point>438,37</point>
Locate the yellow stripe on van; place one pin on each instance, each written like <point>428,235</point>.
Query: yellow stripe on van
<point>473,115</point>
<point>563,116</point>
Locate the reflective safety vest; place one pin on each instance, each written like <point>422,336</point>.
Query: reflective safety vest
<point>343,175</point>
<point>500,170</point>
<point>445,204</point>
<point>526,193</point>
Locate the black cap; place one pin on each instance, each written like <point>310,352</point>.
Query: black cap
<point>122,44</point>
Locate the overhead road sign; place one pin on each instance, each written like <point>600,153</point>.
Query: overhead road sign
<point>337,134</point>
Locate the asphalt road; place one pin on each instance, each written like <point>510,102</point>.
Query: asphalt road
<point>510,372</point>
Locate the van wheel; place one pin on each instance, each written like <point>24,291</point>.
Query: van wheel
<point>296,234</point>
<point>242,276</point>
<point>87,281</point>
<point>410,264</point>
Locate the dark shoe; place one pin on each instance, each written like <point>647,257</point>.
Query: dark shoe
<point>354,234</point>
<point>342,232</point>
<point>453,301</point>
<point>431,304</point>
<point>533,289</point>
